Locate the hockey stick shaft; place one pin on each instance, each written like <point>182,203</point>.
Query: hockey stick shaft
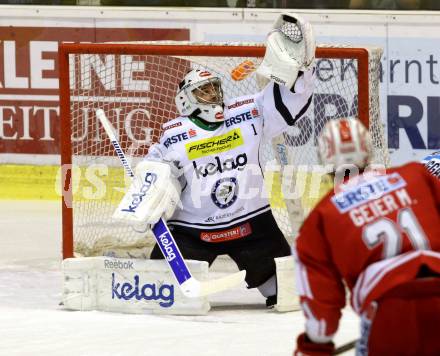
<point>344,348</point>
<point>188,284</point>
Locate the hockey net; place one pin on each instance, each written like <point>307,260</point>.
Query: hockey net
<point>135,85</point>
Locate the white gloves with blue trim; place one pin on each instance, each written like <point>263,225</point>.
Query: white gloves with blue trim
<point>153,194</point>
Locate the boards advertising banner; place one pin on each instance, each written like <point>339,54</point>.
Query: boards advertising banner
<point>29,108</point>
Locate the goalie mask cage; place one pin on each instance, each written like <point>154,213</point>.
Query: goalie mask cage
<point>135,84</point>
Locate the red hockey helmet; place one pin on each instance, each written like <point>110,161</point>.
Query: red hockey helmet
<point>345,141</point>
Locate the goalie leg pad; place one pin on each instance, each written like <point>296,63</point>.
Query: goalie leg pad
<point>287,297</point>
<point>129,286</point>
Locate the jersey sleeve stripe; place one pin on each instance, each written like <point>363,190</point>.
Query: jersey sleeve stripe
<point>284,111</point>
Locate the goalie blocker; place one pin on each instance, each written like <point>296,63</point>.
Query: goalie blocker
<point>148,286</point>
<point>154,193</point>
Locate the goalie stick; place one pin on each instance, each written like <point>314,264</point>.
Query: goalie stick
<point>190,286</point>
<point>344,348</point>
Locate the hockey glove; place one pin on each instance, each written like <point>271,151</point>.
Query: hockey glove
<point>290,49</point>
<point>154,193</point>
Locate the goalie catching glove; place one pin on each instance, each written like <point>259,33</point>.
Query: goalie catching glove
<point>153,194</point>
<point>290,49</point>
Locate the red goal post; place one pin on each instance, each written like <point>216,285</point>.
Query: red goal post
<point>135,84</point>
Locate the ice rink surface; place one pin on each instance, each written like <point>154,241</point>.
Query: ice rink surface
<point>33,323</point>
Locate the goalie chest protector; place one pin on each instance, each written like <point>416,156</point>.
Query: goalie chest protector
<point>223,181</point>
<point>223,175</point>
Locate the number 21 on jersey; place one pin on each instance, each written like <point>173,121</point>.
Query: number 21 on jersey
<point>389,233</point>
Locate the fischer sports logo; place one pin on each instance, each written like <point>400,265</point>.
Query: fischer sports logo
<point>163,293</point>
<point>214,145</point>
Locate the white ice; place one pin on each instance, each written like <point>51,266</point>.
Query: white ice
<point>33,323</point>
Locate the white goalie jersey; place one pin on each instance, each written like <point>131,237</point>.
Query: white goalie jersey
<point>222,179</point>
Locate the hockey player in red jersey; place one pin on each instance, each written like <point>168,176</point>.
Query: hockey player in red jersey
<point>379,236</point>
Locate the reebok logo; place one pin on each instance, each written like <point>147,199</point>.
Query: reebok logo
<point>170,126</point>
<point>277,80</point>
<point>118,264</point>
<point>240,103</point>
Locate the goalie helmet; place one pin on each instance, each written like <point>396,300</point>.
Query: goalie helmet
<point>200,95</point>
<point>345,141</point>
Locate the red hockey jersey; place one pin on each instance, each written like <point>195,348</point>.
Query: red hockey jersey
<point>374,233</point>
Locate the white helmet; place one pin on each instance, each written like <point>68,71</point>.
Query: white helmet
<point>345,141</point>
<point>200,95</point>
